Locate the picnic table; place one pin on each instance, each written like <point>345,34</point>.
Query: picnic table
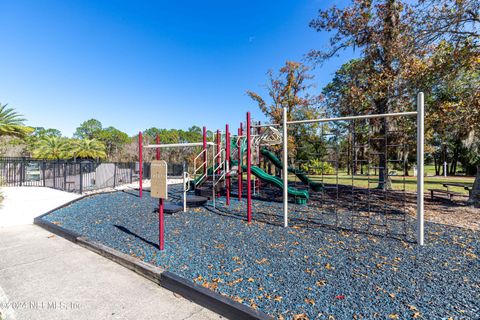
<point>449,193</point>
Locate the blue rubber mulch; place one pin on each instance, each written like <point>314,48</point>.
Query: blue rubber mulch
<point>288,272</point>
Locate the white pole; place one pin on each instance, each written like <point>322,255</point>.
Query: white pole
<point>445,168</point>
<point>285,169</point>
<point>420,163</point>
<point>185,187</point>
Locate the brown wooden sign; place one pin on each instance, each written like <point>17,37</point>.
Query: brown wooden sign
<point>158,171</point>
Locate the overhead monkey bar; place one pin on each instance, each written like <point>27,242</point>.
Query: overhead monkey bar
<point>368,116</point>
<point>266,125</point>
<point>177,145</point>
<point>171,145</point>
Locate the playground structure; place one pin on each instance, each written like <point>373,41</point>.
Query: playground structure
<point>240,156</point>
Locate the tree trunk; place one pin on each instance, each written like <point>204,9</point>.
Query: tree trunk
<point>383,178</point>
<point>444,161</point>
<point>456,154</point>
<point>405,157</point>
<point>475,195</point>
<point>348,155</point>
<point>384,181</point>
<point>363,158</point>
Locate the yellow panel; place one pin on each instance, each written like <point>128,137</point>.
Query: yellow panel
<point>159,188</point>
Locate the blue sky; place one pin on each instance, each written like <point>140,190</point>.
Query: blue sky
<point>140,64</point>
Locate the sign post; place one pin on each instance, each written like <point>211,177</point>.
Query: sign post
<point>159,189</point>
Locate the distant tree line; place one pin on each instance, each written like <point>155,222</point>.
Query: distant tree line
<point>91,141</point>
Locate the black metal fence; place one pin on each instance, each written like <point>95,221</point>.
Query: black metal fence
<point>79,176</point>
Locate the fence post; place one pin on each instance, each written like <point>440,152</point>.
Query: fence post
<point>54,176</point>
<point>132,167</point>
<point>65,176</point>
<point>21,172</point>
<point>14,166</point>
<point>43,172</point>
<point>81,178</point>
<point>114,174</point>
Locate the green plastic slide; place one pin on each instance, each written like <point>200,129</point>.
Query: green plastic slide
<point>315,186</point>
<point>243,144</point>
<point>301,196</point>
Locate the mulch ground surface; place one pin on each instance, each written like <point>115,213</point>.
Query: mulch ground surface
<point>307,271</point>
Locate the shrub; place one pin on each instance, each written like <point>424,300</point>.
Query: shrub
<point>318,167</point>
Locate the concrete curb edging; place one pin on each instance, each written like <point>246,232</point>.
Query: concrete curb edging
<point>146,270</point>
<point>59,231</point>
<point>210,299</point>
<point>170,281</point>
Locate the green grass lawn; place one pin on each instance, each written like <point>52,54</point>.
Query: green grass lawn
<point>398,182</point>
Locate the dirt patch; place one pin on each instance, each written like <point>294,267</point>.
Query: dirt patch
<point>443,211</point>
<point>456,213</point>
<point>453,213</point>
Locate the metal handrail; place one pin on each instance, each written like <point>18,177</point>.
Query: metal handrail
<point>202,165</point>
<point>204,150</point>
<point>222,159</point>
<point>201,177</point>
<point>222,168</point>
<point>186,188</point>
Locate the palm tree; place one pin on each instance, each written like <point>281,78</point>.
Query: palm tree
<point>52,148</point>
<point>89,149</point>
<point>11,123</point>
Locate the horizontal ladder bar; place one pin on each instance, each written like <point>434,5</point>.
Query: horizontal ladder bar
<point>176,145</point>
<point>368,116</point>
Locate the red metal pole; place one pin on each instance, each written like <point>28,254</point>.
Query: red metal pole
<point>204,150</point>
<point>218,149</point>
<point>239,173</point>
<point>160,207</point>
<point>158,149</point>
<point>227,158</point>
<point>259,131</point>
<point>218,158</point>
<point>249,173</point>
<point>161,229</point>
<point>140,162</point>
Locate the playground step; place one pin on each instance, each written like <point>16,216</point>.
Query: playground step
<point>207,192</point>
<point>209,184</point>
<point>170,208</point>
<point>196,200</point>
<point>204,192</point>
